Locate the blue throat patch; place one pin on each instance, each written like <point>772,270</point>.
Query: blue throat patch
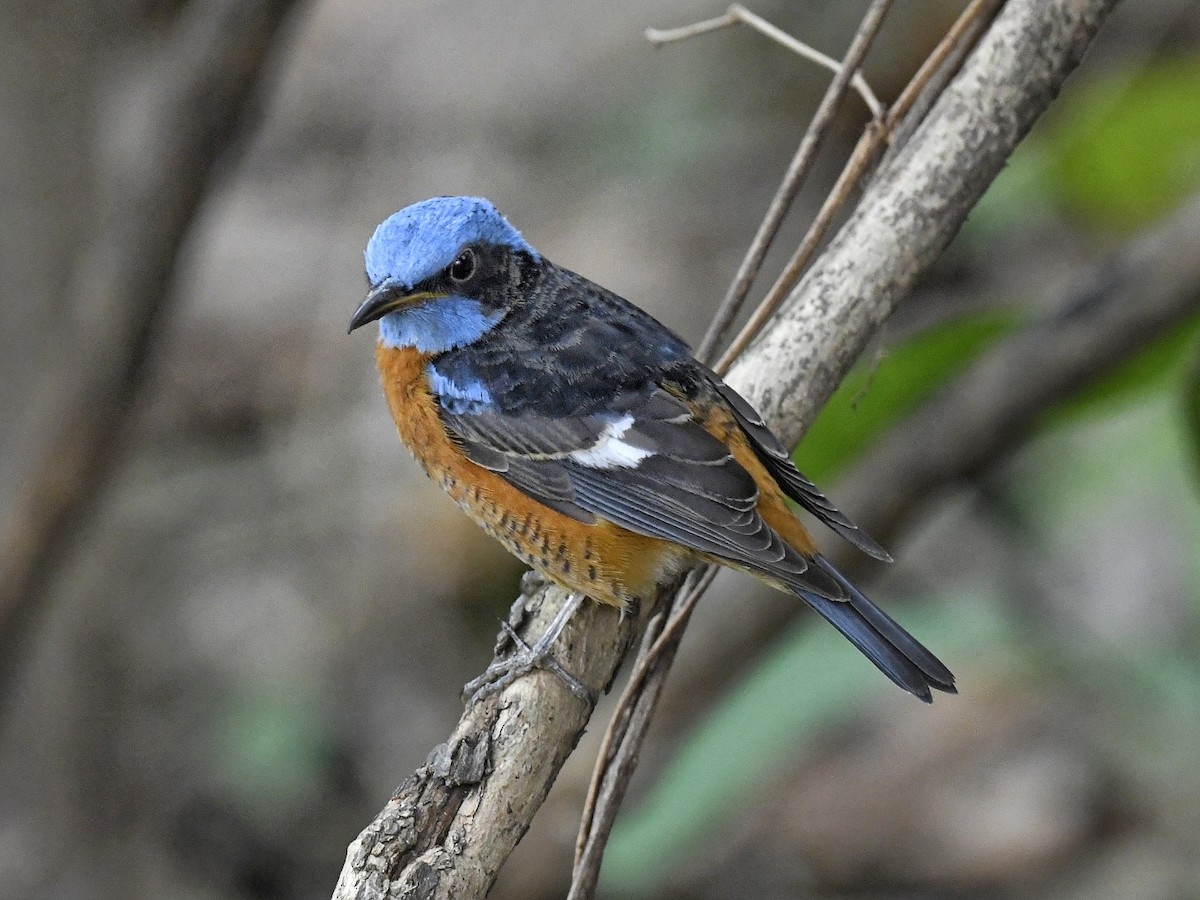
<point>422,239</point>
<point>436,326</point>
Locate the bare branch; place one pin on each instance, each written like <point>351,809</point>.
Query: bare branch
<point>793,181</point>
<point>660,36</point>
<point>651,669</point>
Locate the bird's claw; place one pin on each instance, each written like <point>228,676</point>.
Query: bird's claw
<point>525,659</point>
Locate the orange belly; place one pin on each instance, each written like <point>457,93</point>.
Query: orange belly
<point>602,560</point>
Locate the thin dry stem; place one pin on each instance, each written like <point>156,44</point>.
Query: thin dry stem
<point>962,35</point>
<point>616,764</point>
<point>793,180</point>
<point>864,155</point>
<point>665,627</point>
<point>739,15</point>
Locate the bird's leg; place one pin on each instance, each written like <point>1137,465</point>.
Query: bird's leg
<point>525,659</point>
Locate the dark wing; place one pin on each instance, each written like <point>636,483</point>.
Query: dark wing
<point>645,465</point>
<point>651,468</point>
<point>779,463</point>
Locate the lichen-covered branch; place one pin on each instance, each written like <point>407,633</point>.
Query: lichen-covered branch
<point>915,205</point>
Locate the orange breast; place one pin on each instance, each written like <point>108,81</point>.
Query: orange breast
<point>602,560</point>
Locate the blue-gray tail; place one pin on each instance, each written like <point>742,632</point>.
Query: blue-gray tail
<point>897,653</point>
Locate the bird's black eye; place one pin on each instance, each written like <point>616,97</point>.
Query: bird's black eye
<point>464,266</point>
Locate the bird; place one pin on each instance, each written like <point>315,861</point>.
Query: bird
<point>583,435</point>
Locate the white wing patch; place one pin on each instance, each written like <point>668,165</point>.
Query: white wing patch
<point>609,451</point>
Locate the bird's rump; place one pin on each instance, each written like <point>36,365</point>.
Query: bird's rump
<point>778,462</point>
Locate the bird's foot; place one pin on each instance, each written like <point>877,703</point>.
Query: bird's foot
<point>525,659</point>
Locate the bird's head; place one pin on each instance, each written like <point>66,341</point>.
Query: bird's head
<point>440,273</point>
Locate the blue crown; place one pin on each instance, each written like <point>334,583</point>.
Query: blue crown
<point>424,238</point>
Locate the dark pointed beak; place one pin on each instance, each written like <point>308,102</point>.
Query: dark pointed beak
<point>378,304</point>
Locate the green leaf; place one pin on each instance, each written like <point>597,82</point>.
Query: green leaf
<point>1155,369</point>
<point>1125,148</point>
<point>873,398</point>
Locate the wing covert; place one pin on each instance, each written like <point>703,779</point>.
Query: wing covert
<point>647,466</point>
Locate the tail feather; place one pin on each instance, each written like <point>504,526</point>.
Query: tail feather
<point>894,651</point>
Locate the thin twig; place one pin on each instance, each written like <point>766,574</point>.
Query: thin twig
<point>793,180</point>
<point>666,626</point>
<point>962,35</point>
<point>738,14</point>
<point>660,36</point>
<point>622,744</point>
<point>861,159</point>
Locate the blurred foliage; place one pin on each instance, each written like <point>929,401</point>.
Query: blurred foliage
<point>809,683</point>
<point>876,396</point>
<point>1121,151</point>
<point>1134,456</point>
<point>1159,367</point>
<point>1127,147</point>
<point>274,742</point>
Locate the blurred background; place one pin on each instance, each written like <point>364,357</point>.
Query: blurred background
<point>235,615</point>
